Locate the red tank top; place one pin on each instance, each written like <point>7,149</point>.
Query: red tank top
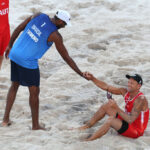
<point>4,11</point>
<point>141,122</point>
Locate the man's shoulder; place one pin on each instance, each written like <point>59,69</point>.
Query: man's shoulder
<point>142,101</point>
<point>141,97</point>
<point>124,91</point>
<point>55,36</point>
<point>36,14</point>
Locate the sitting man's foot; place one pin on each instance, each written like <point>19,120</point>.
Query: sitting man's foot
<point>88,138</point>
<point>80,128</point>
<point>83,127</point>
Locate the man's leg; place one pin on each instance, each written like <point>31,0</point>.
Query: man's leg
<point>10,101</point>
<point>111,122</point>
<point>34,104</point>
<point>103,110</point>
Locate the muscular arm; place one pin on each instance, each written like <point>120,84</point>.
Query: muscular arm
<point>109,88</point>
<point>137,108</point>
<point>18,30</point>
<point>57,39</point>
<point>16,33</point>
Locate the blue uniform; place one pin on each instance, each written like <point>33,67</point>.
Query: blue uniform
<point>32,43</point>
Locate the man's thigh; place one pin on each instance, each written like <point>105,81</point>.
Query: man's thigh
<point>116,124</point>
<point>109,110</point>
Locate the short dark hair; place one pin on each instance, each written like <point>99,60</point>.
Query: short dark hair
<point>56,18</point>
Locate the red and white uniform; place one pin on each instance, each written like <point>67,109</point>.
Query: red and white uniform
<point>136,128</point>
<point>4,25</point>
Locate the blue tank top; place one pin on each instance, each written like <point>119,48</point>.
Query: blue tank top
<point>32,43</point>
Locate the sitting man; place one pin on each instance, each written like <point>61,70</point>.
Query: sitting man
<point>130,123</point>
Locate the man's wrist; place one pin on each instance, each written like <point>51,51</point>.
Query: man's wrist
<point>81,74</point>
<point>93,79</point>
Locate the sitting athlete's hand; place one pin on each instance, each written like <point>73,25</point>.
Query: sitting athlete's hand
<point>7,52</point>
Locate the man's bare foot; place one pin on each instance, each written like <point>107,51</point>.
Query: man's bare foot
<point>38,128</point>
<point>79,128</point>
<point>6,124</point>
<point>85,137</point>
<point>83,127</point>
<point>88,138</point>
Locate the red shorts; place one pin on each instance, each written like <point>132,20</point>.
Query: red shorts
<point>131,132</point>
<point>128,130</point>
<point>4,40</point>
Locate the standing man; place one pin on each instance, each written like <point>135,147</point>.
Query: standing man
<point>39,33</point>
<point>130,123</point>
<point>4,28</point>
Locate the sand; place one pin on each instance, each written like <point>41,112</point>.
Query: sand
<point>109,38</point>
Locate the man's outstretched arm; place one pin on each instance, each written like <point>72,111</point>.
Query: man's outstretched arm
<point>57,39</point>
<point>104,86</point>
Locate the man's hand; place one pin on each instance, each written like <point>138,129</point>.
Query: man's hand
<point>7,51</point>
<point>88,75</point>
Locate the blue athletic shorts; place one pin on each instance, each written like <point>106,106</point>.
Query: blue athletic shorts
<point>24,76</point>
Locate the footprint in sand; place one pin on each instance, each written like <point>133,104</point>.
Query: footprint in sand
<point>3,90</point>
<point>63,97</point>
<point>111,6</point>
<point>83,5</point>
<point>79,107</point>
<point>3,79</point>
<point>75,45</point>
<point>91,60</point>
<point>74,15</point>
<point>46,107</point>
<point>92,31</point>
<point>2,97</point>
<point>120,36</point>
<point>122,62</point>
<point>81,56</point>
<point>96,46</point>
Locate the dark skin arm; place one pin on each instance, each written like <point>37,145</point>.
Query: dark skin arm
<point>105,86</point>
<point>58,40</point>
<point>16,33</point>
<point>139,105</point>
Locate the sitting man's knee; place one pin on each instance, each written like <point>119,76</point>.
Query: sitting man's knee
<point>105,106</point>
<point>110,119</point>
